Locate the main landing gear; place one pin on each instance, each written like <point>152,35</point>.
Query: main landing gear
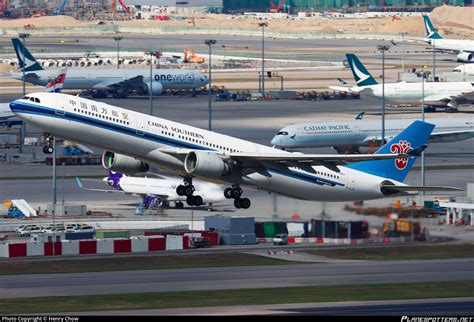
<point>48,148</point>
<point>187,189</point>
<point>234,193</point>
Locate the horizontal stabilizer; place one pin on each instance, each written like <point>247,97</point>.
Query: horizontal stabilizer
<point>420,188</point>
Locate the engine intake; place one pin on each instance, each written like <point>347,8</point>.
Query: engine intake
<point>122,163</point>
<point>205,165</point>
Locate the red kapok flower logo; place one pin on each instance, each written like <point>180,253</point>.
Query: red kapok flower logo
<point>401,147</point>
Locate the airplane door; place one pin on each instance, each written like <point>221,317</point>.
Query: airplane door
<point>140,126</point>
<point>60,105</point>
<point>350,181</point>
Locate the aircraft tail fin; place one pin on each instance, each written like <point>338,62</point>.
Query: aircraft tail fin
<point>56,84</point>
<point>25,58</point>
<point>431,30</point>
<point>361,74</point>
<point>411,141</point>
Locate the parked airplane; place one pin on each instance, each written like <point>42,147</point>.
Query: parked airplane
<point>118,82</point>
<point>464,48</point>
<point>436,93</point>
<point>9,119</point>
<point>134,141</point>
<point>159,192</point>
<point>346,136</point>
<point>466,69</point>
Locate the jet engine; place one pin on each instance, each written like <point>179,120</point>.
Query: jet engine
<point>205,165</point>
<point>387,191</point>
<point>465,57</point>
<point>122,163</point>
<point>156,89</point>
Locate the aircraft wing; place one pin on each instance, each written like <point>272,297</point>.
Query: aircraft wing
<point>434,137</point>
<point>352,89</point>
<point>443,98</point>
<point>136,81</point>
<point>285,160</point>
<point>81,186</point>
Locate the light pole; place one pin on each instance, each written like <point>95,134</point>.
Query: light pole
<point>383,49</point>
<point>423,178</point>
<point>150,86</point>
<point>435,30</point>
<point>210,42</point>
<point>263,25</point>
<point>403,34</point>
<point>23,36</point>
<point>117,39</point>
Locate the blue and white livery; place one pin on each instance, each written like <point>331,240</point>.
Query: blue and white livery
<point>136,141</point>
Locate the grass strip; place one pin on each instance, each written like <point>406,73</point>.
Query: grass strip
<point>137,263</point>
<point>398,253</point>
<point>158,300</point>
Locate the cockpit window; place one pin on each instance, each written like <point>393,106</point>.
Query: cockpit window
<point>32,99</point>
<point>37,100</point>
<point>25,98</point>
<point>282,133</point>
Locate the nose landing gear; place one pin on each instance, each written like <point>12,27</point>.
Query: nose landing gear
<point>235,193</point>
<point>48,148</point>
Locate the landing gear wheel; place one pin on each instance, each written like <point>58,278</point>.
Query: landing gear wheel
<point>245,202</point>
<point>197,201</point>
<point>180,190</point>
<point>48,150</point>
<point>188,190</point>
<point>236,193</point>
<point>238,203</point>
<point>190,200</point>
<point>228,193</point>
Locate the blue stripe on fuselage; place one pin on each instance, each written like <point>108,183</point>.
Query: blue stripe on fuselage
<point>28,108</point>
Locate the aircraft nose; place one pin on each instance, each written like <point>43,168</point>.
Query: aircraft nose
<point>275,141</point>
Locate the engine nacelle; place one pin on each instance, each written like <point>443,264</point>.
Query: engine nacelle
<point>465,57</point>
<point>122,163</point>
<point>156,89</point>
<point>388,191</point>
<point>205,165</point>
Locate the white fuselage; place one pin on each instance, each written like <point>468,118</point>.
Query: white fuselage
<point>412,93</point>
<point>458,45</point>
<point>210,193</point>
<point>364,132</point>
<point>142,136</point>
<point>90,78</point>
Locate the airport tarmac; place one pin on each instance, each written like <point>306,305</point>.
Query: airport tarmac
<point>430,307</point>
<point>221,278</point>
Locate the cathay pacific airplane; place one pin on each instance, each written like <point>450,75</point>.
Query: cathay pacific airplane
<point>463,48</point>
<point>136,141</point>
<point>436,93</point>
<point>346,136</point>
<point>9,119</point>
<point>117,82</point>
<point>159,192</point>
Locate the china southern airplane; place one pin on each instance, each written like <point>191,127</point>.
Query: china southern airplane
<point>135,141</point>
<point>9,119</point>
<point>159,192</point>
<point>117,82</point>
<point>463,48</point>
<point>436,93</point>
<point>346,136</point>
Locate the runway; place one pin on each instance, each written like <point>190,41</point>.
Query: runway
<point>169,280</point>
<point>451,306</point>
